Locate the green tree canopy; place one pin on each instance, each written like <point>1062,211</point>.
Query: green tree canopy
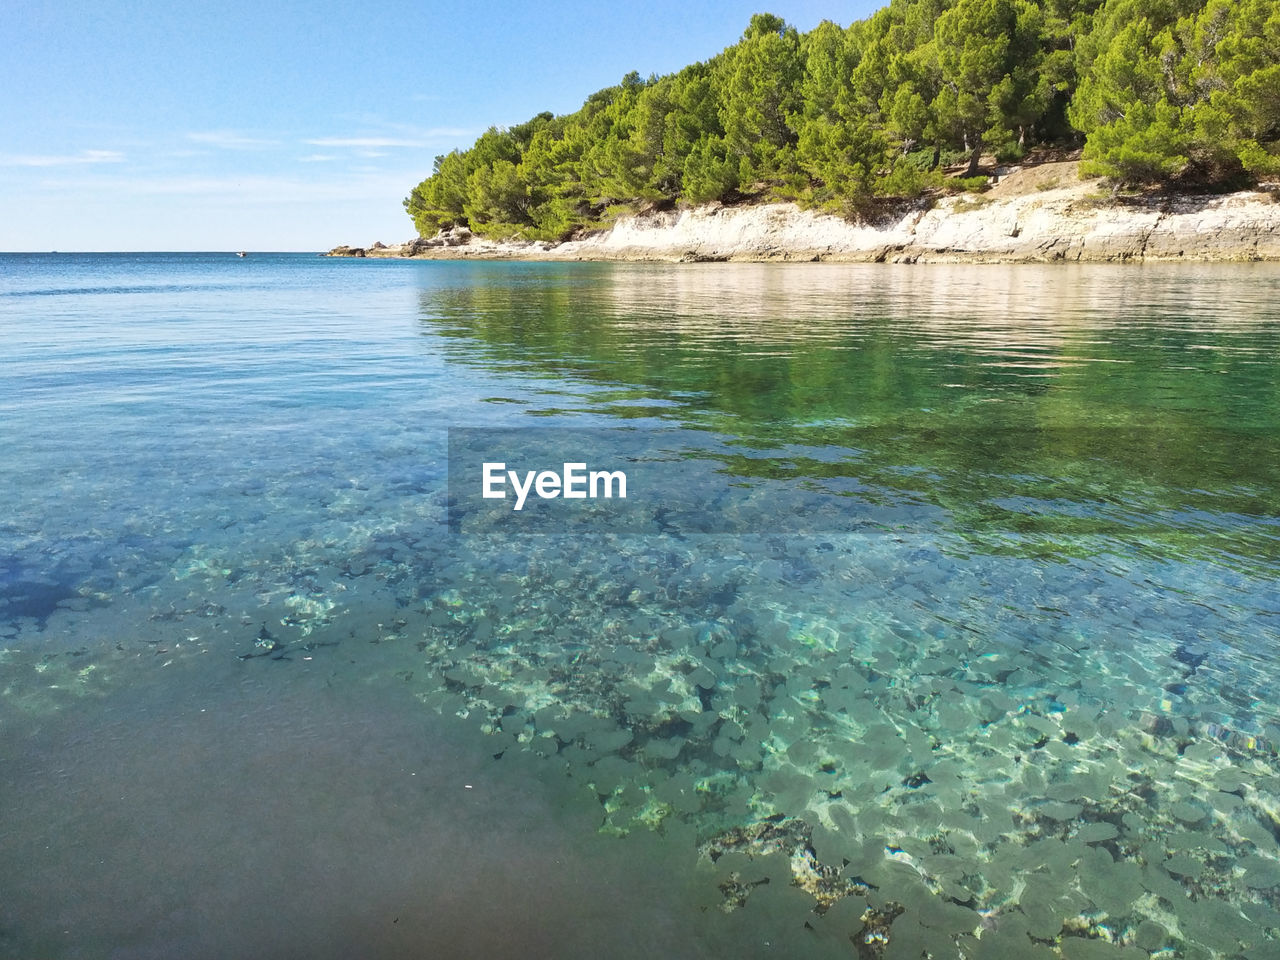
<point>1153,90</point>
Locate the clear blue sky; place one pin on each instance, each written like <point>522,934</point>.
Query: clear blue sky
<point>282,125</point>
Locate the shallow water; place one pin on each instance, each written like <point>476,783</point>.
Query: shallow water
<point>955,615</point>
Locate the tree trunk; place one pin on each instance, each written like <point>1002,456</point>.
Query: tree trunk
<point>973,159</point>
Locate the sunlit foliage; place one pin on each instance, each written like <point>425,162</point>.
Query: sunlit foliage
<point>1153,90</point>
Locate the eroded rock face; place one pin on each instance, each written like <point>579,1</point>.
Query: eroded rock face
<point>453,237</point>
<point>456,237</point>
<point>1069,223</point>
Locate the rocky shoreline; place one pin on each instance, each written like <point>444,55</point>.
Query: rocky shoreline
<point>1039,213</point>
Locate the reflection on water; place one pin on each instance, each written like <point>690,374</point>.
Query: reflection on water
<point>1023,395</point>
<point>1032,715</point>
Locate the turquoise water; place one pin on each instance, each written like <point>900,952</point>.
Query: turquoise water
<point>984,665</point>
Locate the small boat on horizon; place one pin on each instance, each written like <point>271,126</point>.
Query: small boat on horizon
<point>241,253</point>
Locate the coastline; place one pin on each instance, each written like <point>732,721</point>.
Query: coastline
<point>1032,214</point>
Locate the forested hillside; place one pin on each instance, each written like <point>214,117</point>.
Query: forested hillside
<point>841,117</point>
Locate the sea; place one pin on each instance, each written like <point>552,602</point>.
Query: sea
<point>939,619</point>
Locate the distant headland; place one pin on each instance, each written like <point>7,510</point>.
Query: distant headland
<point>934,129</point>
<point>1038,213</point>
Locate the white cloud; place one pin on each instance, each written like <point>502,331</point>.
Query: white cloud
<point>84,156</point>
<point>317,158</point>
<point>230,140</point>
<point>366,142</point>
<point>328,184</point>
<point>421,138</point>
